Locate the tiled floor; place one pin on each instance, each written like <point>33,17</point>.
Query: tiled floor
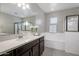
<point>55,52</point>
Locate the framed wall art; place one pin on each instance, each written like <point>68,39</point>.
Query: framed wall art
<point>72,23</point>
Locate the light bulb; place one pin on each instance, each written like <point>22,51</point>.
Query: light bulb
<point>27,6</point>
<point>23,4</point>
<point>26,23</point>
<point>19,4</point>
<point>23,7</point>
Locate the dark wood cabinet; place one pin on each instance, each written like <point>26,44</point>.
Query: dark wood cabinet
<point>41,47</point>
<point>10,53</point>
<point>33,48</point>
<point>27,53</point>
<point>21,50</point>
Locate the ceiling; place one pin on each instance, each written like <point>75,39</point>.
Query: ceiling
<point>13,9</point>
<point>48,7</point>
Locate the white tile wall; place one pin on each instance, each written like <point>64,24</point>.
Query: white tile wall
<point>68,41</point>
<point>72,42</point>
<point>55,40</point>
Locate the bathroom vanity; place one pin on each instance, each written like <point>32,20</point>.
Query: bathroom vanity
<point>33,46</point>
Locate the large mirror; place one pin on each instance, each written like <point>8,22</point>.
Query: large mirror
<point>14,18</point>
<point>22,26</point>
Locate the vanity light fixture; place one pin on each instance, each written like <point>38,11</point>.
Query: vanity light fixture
<point>23,5</point>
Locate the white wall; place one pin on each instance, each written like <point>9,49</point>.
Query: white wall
<point>68,41</point>
<point>40,21</point>
<point>7,23</point>
<point>72,42</point>
<point>40,17</point>
<point>61,15</point>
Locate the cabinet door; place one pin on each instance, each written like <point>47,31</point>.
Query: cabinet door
<point>22,49</point>
<point>35,51</point>
<point>27,53</point>
<point>41,47</point>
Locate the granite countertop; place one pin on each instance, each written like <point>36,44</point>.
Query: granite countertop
<point>9,45</point>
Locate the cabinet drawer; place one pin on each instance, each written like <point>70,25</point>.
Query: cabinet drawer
<point>35,42</point>
<point>27,53</point>
<point>42,39</point>
<point>22,49</point>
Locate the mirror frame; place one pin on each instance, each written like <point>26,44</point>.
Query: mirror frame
<point>67,23</point>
